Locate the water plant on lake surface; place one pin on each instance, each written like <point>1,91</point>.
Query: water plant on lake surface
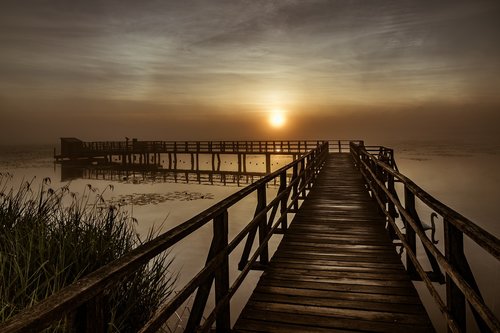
<point>50,238</point>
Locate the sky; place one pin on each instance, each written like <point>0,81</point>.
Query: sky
<point>211,70</point>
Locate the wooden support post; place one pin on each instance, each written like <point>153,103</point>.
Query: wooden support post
<point>392,208</point>
<point>239,163</point>
<point>295,190</point>
<point>303,181</point>
<point>455,299</point>
<point>284,202</point>
<point>244,162</point>
<point>203,292</point>
<point>268,163</point>
<point>410,233</point>
<point>380,174</point>
<point>213,162</point>
<point>263,227</point>
<point>90,316</point>
<point>192,162</point>
<point>223,317</point>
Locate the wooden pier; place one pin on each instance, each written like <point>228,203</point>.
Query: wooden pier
<point>335,270</point>
<point>136,152</point>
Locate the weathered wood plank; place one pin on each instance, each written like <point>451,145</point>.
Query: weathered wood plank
<point>251,325</point>
<point>330,322</point>
<point>337,286</point>
<point>313,300</point>
<point>349,295</point>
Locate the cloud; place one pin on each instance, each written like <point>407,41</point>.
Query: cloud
<point>238,54</point>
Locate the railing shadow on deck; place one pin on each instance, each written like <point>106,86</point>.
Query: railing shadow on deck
<point>380,172</point>
<point>269,218</point>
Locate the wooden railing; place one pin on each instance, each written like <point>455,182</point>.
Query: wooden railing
<point>186,147</point>
<point>380,172</point>
<point>341,146</point>
<point>269,218</point>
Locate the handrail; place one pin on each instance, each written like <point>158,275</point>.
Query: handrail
<point>77,295</point>
<point>380,175</point>
<point>83,148</point>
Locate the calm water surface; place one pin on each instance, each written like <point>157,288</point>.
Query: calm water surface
<point>462,176</point>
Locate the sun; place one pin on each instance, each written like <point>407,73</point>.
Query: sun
<point>277,118</point>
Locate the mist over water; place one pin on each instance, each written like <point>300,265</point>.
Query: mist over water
<point>462,176</point>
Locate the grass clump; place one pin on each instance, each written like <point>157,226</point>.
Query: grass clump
<point>51,238</point>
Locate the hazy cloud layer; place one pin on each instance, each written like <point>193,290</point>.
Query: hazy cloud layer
<point>226,58</point>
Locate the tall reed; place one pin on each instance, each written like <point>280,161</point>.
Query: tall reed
<point>50,238</point>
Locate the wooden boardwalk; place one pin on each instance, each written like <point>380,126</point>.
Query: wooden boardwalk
<point>335,269</point>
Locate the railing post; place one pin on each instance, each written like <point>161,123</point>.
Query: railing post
<point>410,233</point>
<point>392,208</point>
<point>295,191</point>
<point>221,275</point>
<point>90,316</point>
<point>263,227</point>
<point>223,317</point>
<point>455,299</point>
<point>284,201</point>
<point>303,178</point>
<point>268,163</point>
<point>380,175</point>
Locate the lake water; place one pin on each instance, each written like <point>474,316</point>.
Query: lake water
<point>465,177</point>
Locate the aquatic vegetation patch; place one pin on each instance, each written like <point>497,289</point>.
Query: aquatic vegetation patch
<point>141,199</point>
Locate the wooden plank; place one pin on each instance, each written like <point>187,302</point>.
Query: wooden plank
<point>344,279</point>
<point>307,321</point>
<point>336,263</point>
<point>351,295</point>
<point>313,300</point>
<point>339,286</point>
<point>332,272</point>
<point>352,257</point>
<point>336,267</point>
<point>251,325</point>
